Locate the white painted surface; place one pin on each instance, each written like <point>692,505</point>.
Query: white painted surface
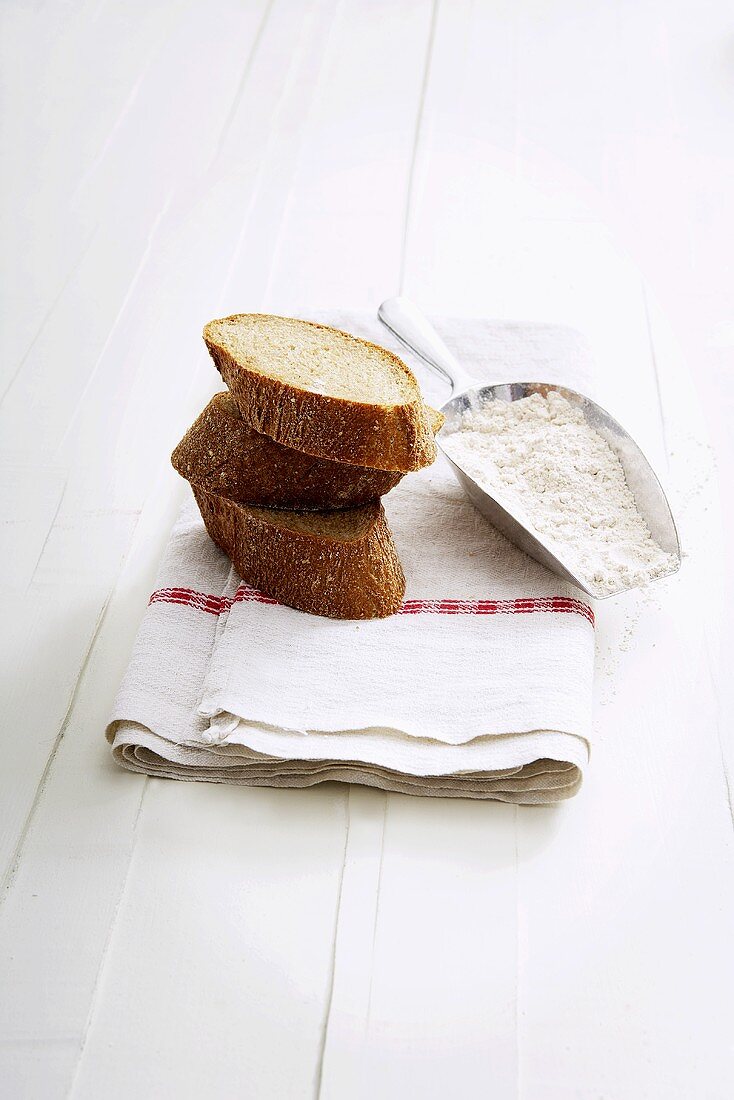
<point>168,162</point>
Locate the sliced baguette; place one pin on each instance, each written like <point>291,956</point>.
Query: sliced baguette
<point>222,454</point>
<point>322,391</point>
<point>343,565</point>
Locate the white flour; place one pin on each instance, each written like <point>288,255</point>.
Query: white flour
<point>544,459</point>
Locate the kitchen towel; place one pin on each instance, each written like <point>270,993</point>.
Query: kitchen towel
<point>479,687</point>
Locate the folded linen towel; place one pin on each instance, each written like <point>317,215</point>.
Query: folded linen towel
<point>479,687</point>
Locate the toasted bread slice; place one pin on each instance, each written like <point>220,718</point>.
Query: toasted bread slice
<point>222,454</point>
<point>343,565</point>
<point>323,392</point>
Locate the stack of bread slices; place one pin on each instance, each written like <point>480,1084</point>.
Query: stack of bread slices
<point>288,466</point>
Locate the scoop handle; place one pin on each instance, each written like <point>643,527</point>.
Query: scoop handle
<point>416,332</point>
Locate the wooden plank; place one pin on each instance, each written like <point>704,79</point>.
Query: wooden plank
<point>57,914</point>
<point>424,988</point>
<point>157,361</point>
<point>69,966</point>
<point>93,305</point>
<point>271,199</point>
<point>642,910</point>
<point>51,626</point>
<point>603,908</point>
<point>338,176</point>
<point>633,904</point>
<point>43,414</point>
<point>88,68</point>
<point>94,451</point>
<point>698,475</point>
<point>217,972</point>
<point>338,240</point>
<point>30,498</point>
<point>425,960</point>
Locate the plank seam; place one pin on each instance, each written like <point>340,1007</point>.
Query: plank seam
<point>242,83</point>
<point>50,311</point>
<point>249,206</point>
<point>712,669</point>
<point>108,941</point>
<point>14,862</point>
<point>416,141</point>
<point>655,371</point>
<point>303,135</point>
<point>155,226</point>
<point>377,904</point>
<point>332,972</point>
<point>51,526</point>
<point>101,153</point>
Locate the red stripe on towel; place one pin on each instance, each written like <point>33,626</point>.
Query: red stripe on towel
<point>560,605</point>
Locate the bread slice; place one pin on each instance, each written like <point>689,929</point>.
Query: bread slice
<point>343,565</point>
<point>322,391</point>
<point>222,454</point>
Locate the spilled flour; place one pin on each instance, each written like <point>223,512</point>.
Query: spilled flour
<point>542,457</point>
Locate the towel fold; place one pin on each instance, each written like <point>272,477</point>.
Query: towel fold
<point>479,687</point>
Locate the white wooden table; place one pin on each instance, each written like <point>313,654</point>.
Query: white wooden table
<point>166,162</point>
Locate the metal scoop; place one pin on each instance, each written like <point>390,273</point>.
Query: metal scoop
<point>406,321</point>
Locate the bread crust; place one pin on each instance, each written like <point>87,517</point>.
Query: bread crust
<point>222,454</point>
<point>340,578</point>
<point>382,437</point>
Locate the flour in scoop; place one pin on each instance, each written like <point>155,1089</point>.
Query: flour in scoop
<point>542,457</point>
